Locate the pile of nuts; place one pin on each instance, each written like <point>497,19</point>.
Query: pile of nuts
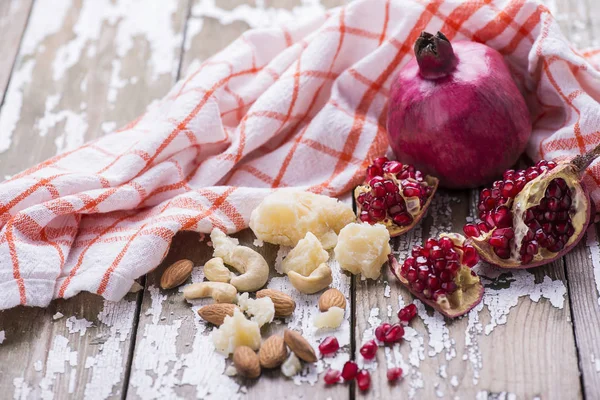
<point>311,224</point>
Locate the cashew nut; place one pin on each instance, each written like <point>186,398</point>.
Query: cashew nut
<point>219,291</point>
<point>251,265</point>
<point>216,271</point>
<point>319,279</point>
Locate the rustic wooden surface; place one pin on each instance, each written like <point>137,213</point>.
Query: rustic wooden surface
<point>72,70</point>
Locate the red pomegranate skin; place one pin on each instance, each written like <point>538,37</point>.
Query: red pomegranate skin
<point>466,127</point>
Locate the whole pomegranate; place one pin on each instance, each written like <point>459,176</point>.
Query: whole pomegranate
<point>533,216</point>
<point>455,113</point>
<point>394,194</point>
<point>439,273</point>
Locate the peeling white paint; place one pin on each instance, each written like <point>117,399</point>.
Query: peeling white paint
<point>59,354</point>
<point>194,27</point>
<point>11,110</point>
<point>107,365</point>
<point>78,325</point>
<point>594,247</point>
<point>57,316</point>
<point>2,336</point>
<point>38,365</point>
<point>259,16</point>
<point>22,389</point>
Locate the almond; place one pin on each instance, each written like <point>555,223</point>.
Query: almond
<point>284,304</point>
<point>176,274</point>
<point>216,313</point>
<point>332,298</point>
<point>246,362</point>
<point>272,352</point>
<point>299,346</point>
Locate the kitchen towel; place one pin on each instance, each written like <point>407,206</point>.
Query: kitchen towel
<point>298,106</point>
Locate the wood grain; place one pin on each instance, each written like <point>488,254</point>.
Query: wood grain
<point>578,20</point>
<point>83,68</point>
<point>447,358</point>
<point>13,20</point>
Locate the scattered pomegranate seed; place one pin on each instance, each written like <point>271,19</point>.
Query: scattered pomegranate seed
<point>364,380</point>
<point>407,313</point>
<point>332,376</point>
<point>369,350</point>
<point>329,345</point>
<point>393,374</point>
<point>381,330</point>
<point>349,371</point>
<point>394,334</point>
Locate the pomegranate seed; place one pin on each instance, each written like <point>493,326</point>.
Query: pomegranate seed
<point>406,314</point>
<point>378,203</point>
<point>418,286</point>
<point>373,171</point>
<point>393,167</point>
<point>393,374</point>
<point>369,350</point>
<point>349,371</point>
<point>390,187</point>
<point>403,219</point>
<point>332,376</point>
<point>433,283</point>
<point>394,334</point>
<point>380,161</point>
<point>381,330</point>
<point>471,230</point>
<point>364,380</point>
<point>411,275</point>
<point>379,189</point>
<point>470,256</point>
<point>411,192</point>
<point>377,215</point>
<point>329,345</point>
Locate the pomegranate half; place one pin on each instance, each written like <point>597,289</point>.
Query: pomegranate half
<point>455,113</point>
<point>439,274</point>
<point>532,217</point>
<point>394,194</point>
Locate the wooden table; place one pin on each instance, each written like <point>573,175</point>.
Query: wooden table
<point>72,70</point>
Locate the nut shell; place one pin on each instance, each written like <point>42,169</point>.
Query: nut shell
<point>272,352</point>
<point>176,274</point>
<point>332,298</point>
<point>216,313</point>
<point>246,362</point>
<point>284,304</point>
<point>299,346</point>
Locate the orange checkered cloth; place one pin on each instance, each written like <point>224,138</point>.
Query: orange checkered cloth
<point>298,106</point>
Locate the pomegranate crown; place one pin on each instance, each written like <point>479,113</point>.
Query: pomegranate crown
<point>434,55</point>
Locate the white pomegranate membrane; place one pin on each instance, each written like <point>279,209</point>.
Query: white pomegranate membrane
<point>532,216</point>
<point>440,274</point>
<point>395,194</point>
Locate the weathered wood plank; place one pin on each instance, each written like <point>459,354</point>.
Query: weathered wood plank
<point>174,355</point>
<point>13,20</point>
<point>487,352</point>
<point>578,21</point>
<point>84,68</point>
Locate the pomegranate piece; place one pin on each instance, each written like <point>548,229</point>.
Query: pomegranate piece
<point>364,380</point>
<point>332,376</point>
<point>440,274</point>
<point>395,195</point>
<point>369,350</point>
<point>406,314</point>
<point>349,371</point>
<point>533,216</point>
<point>393,374</point>
<point>329,345</point>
